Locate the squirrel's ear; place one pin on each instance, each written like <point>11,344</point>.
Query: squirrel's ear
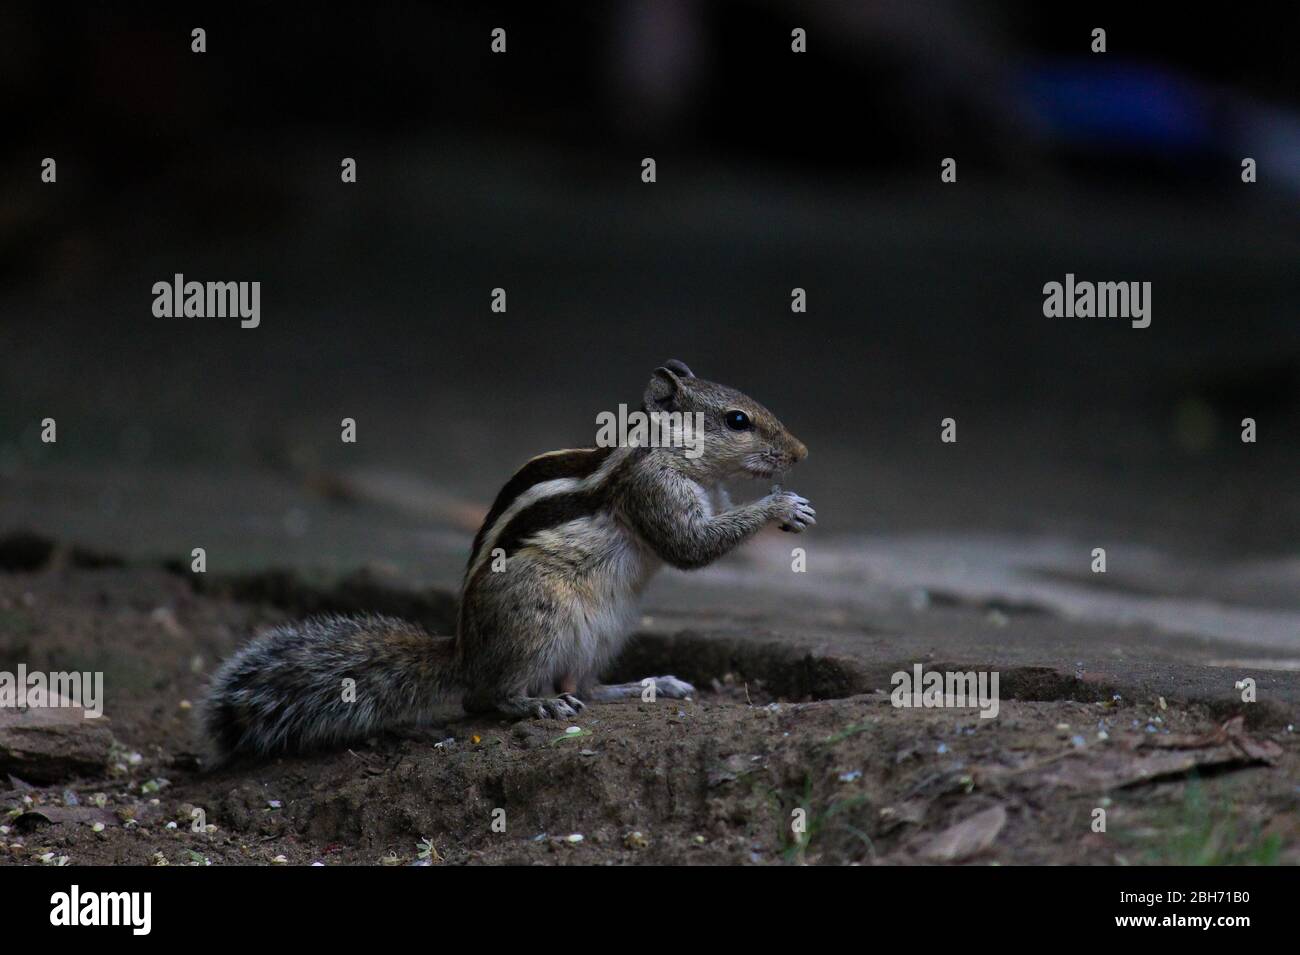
<point>662,392</point>
<point>679,368</point>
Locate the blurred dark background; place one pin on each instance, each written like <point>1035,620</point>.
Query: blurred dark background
<point>775,170</point>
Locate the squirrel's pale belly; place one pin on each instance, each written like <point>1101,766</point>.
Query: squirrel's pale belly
<point>612,568</point>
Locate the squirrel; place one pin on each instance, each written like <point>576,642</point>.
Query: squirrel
<point>582,532</point>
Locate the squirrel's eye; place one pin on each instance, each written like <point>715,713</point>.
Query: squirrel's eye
<point>738,421</point>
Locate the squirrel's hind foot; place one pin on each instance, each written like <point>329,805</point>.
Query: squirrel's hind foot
<point>564,706</point>
<point>666,686</point>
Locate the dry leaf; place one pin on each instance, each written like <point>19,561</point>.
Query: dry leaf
<point>968,837</point>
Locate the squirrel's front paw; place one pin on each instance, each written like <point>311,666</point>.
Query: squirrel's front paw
<point>794,513</point>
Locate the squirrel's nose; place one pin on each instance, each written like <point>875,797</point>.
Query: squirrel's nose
<point>799,451</point>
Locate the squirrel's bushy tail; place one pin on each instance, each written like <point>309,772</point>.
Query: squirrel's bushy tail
<point>325,681</point>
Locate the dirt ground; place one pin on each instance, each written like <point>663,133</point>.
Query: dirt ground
<point>777,736</point>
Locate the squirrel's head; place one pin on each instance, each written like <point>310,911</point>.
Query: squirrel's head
<point>740,436</point>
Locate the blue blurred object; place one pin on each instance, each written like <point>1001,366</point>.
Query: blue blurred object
<point>1122,106</point>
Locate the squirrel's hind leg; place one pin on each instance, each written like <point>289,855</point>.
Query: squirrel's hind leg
<point>666,686</point>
